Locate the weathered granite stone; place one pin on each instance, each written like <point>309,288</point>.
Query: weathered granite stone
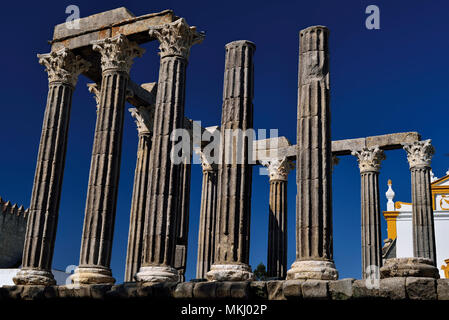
<point>421,288</point>
<point>393,288</point>
<point>361,291</point>
<point>240,290</point>
<point>235,170</point>
<point>341,289</point>
<point>369,160</point>
<point>117,55</point>
<point>314,248</point>
<point>184,290</point>
<point>13,292</point>
<point>278,170</point>
<point>315,289</point>
<point>63,68</point>
<point>206,230</point>
<point>206,290</point>
<point>163,289</point>
<point>292,289</point>
<point>223,289</point>
<point>138,204</point>
<point>161,214</point>
<point>274,290</point>
<point>258,290</point>
<point>125,290</point>
<point>409,267</point>
<point>419,156</point>
<point>443,289</point>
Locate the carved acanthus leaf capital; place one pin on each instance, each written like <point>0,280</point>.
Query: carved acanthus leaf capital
<point>278,169</point>
<point>369,158</point>
<point>143,120</point>
<point>207,163</point>
<point>95,90</point>
<point>63,66</point>
<point>419,153</point>
<point>117,53</point>
<point>176,38</point>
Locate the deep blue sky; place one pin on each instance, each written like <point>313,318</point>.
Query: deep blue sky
<point>382,81</point>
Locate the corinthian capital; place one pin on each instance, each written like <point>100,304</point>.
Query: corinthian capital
<point>63,66</point>
<point>95,90</point>
<point>278,169</point>
<point>117,53</point>
<point>419,153</point>
<point>369,159</point>
<point>143,120</point>
<point>176,38</point>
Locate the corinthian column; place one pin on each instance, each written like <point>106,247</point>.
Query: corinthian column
<point>314,248</point>
<point>63,68</point>
<point>183,217</point>
<point>117,54</point>
<point>419,156</point>
<point>206,233</point>
<point>235,171</point>
<point>138,205</point>
<point>160,231</point>
<point>278,170</point>
<point>369,160</point>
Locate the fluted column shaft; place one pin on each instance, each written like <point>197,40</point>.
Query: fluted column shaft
<point>278,170</point>
<point>138,205</point>
<point>183,219</point>
<point>235,171</point>
<point>419,156</point>
<point>369,160</point>
<point>117,54</point>
<point>206,232</point>
<point>63,69</point>
<point>277,230</point>
<point>314,248</point>
<point>160,233</point>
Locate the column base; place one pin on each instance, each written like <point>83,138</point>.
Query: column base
<point>230,272</point>
<point>157,274</point>
<point>409,267</point>
<point>92,275</point>
<point>34,277</point>
<point>312,269</point>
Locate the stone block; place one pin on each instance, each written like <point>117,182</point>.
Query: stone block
<point>223,289</point>
<point>258,290</point>
<point>240,290</point>
<point>361,291</point>
<point>443,289</point>
<point>292,289</point>
<point>99,291</point>
<point>127,289</point>
<point>163,290</point>
<point>421,288</point>
<point>205,290</point>
<point>274,290</point>
<point>341,289</point>
<point>315,289</point>
<point>184,290</point>
<point>393,288</point>
<point>13,292</point>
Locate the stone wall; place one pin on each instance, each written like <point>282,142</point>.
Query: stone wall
<point>409,288</point>
<point>13,221</point>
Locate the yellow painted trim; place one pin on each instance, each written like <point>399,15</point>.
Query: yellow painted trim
<point>390,217</point>
<point>436,191</point>
<point>445,268</point>
<point>440,180</point>
<point>398,204</point>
